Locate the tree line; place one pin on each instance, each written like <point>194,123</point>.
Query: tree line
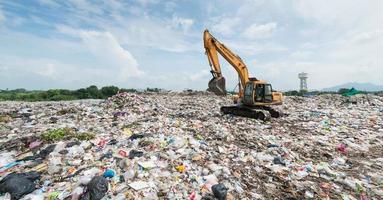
<point>91,92</point>
<point>313,93</point>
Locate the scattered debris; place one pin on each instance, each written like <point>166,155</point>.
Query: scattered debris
<point>179,146</point>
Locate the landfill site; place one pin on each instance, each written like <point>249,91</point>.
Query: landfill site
<point>178,145</point>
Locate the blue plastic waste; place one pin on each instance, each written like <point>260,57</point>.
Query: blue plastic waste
<point>109,173</point>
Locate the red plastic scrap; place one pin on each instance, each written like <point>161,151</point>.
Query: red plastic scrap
<point>122,153</point>
<point>192,195</point>
<point>342,148</point>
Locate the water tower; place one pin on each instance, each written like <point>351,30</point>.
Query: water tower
<point>303,77</point>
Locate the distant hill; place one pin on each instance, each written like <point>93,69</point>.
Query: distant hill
<point>358,86</point>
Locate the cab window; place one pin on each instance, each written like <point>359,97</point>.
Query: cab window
<point>268,93</point>
<point>248,89</point>
<point>248,97</point>
<point>259,92</point>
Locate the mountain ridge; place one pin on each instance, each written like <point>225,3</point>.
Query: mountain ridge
<point>357,85</point>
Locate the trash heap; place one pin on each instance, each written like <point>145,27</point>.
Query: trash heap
<point>178,146</point>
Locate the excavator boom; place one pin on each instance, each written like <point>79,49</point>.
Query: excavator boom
<point>213,47</point>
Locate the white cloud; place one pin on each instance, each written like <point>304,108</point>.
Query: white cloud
<point>46,73</point>
<point>301,55</point>
<point>250,48</point>
<point>260,31</point>
<point>368,36</point>
<point>201,75</point>
<point>80,3</point>
<point>362,53</point>
<point>334,41</point>
<point>107,49</point>
<point>342,13</point>
<point>49,3</point>
<point>325,12</point>
<point>2,17</point>
<point>87,7</point>
<point>49,70</point>
<point>139,32</point>
<point>135,26</point>
<point>17,67</point>
<point>183,23</point>
<point>147,2</point>
<point>170,6</point>
<point>340,61</point>
<point>105,46</point>
<point>226,25</point>
<point>341,42</point>
<point>3,68</point>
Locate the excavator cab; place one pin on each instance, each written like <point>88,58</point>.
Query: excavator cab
<point>257,93</point>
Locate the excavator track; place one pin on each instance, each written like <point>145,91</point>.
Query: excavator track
<point>273,113</point>
<point>263,113</point>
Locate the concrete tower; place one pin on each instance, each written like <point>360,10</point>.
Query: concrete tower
<point>303,77</point>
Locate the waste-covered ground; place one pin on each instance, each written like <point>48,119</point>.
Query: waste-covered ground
<point>179,146</point>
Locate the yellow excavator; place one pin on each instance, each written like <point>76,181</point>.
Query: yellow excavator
<point>254,97</point>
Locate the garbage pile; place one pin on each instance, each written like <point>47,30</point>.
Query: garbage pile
<point>179,146</point>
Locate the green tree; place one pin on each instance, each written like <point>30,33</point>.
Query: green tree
<point>82,93</point>
<point>292,93</point>
<point>18,90</point>
<point>153,89</point>
<point>342,90</point>
<point>94,92</point>
<point>109,91</point>
<point>128,90</point>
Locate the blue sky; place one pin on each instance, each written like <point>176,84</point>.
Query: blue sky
<point>154,43</point>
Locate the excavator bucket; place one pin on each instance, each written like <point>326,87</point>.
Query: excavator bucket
<point>218,85</point>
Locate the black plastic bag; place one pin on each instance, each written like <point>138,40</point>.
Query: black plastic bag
<point>19,185</point>
<point>279,161</point>
<point>219,191</point>
<point>133,153</point>
<point>96,189</point>
<point>136,136</point>
<point>42,154</point>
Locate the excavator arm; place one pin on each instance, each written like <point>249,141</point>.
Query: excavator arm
<point>213,47</point>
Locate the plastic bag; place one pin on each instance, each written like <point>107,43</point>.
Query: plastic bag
<point>18,185</point>
<point>96,189</point>
<point>219,191</point>
<point>7,157</point>
<point>134,153</point>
